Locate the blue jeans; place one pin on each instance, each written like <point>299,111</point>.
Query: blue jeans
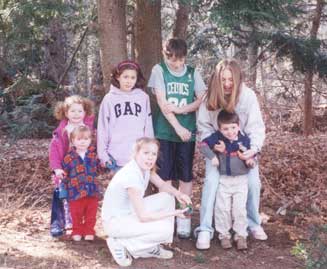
<point>208,197</point>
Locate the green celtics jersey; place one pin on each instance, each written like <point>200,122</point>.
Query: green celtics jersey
<point>180,92</point>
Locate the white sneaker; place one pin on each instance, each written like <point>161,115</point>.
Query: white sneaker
<point>259,234</point>
<point>183,227</point>
<point>119,252</point>
<point>203,241</point>
<point>77,237</point>
<point>160,253</point>
<point>89,237</point>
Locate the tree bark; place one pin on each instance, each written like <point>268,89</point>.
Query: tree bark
<point>252,60</point>
<point>148,41</point>
<point>308,77</point>
<point>180,27</point>
<point>55,52</point>
<point>112,35</point>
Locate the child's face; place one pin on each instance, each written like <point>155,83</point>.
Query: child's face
<point>81,142</point>
<point>175,64</point>
<point>230,130</point>
<point>227,81</point>
<point>75,113</point>
<point>127,80</point>
<point>146,157</point>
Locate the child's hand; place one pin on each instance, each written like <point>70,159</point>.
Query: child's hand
<point>250,163</point>
<point>246,155</point>
<point>220,147</point>
<point>183,133</point>
<point>102,164</point>
<point>59,173</point>
<point>183,198</point>
<point>170,108</point>
<point>180,213</point>
<point>215,161</point>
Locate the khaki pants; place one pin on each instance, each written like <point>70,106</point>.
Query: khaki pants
<point>141,237</point>
<point>230,207</point>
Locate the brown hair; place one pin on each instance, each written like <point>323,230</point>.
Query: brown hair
<point>225,117</point>
<point>175,47</point>
<point>143,141</point>
<point>61,108</point>
<point>216,97</point>
<point>80,131</point>
<point>128,65</point>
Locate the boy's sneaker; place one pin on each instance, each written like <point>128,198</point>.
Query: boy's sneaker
<point>225,243</point>
<point>241,243</point>
<point>77,237</point>
<point>203,241</point>
<point>183,228</point>
<point>160,253</point>
<point>258,233</point>
<point>89,237</point>
<point>119,252</point>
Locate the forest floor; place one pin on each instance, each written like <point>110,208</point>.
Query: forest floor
<point>293,173</point>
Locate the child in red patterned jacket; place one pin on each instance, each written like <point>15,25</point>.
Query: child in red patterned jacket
<point>74,111</point>
<point>79,183</point>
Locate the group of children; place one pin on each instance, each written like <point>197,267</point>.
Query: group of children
<point>124,118</point>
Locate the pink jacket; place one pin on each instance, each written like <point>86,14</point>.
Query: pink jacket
<point>59,144</point>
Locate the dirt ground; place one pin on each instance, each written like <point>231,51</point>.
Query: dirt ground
<point>25,213</point>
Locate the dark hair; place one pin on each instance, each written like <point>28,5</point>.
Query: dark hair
<point>128,65</point>
<point>175,47</point>
<point>225,117</point>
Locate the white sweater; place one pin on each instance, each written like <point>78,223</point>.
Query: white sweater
<point>248,110</point>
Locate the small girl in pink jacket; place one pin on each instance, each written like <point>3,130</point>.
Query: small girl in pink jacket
<point>73,112</point>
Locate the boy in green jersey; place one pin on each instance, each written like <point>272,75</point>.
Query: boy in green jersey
<point>179,89</point>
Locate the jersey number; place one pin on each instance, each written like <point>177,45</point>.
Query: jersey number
<point>174,101</point>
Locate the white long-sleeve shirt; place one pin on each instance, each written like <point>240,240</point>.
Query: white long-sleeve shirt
<point>247,109</point>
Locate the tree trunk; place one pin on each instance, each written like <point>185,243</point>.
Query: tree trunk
<point>55,52</point>
<point>148,41</point>
<point>112,35</point>
<point>308,77</point>
<point>252,60</point>
<point>180,27</point>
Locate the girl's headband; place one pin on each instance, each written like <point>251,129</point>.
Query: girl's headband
<point>128,63</point>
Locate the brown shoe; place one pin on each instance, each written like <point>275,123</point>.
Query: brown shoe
<point>241,243</point>
<point>225,243</point>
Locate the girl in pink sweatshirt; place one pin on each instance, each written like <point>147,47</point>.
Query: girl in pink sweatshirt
<point>124,115</point>
<point>73,112</point>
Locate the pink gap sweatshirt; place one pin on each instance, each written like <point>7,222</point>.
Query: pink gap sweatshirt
<point>123,118</point>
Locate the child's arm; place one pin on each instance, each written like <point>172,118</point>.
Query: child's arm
<point>187,108</point>
<point>146,216</point>
<point>148,127</point>
<point>199,87</point>
<point>181,131</point>
<point>208,153</point>
<point>251,162</point>
<point>103,130</point>
<point>166,187</point>
<point>56,156</point>
<point>246,143</point>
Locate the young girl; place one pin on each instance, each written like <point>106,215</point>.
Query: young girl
<point>80,166</point>
<point>136,225</point>
<point>124,115</point>
<point>74,111</point>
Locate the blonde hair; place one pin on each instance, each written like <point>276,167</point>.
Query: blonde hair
<point>144,141</point>
<point>61,108</point>
<point>216,98</point>
<point>80,131</point>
